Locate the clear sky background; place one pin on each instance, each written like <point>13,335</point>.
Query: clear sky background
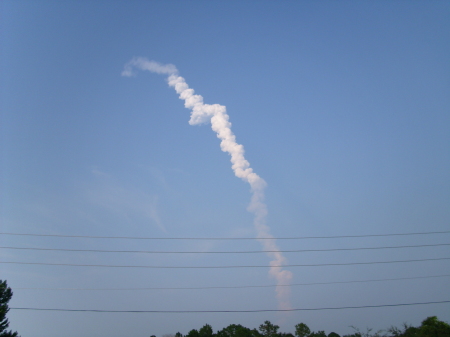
<point>343,109</point>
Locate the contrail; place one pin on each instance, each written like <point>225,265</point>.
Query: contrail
<point>217,115</point>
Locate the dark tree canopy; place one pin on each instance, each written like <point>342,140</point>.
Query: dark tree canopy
<point>302,330</point>
<point>285,334</point>
<point>5,296</point>
<point>333,334</point>
<point>432,327</point>
<point>319,333</point>
<point>193,333</point>
<point>206,331</point>
<point>237,330</point>
<point>268,329</point>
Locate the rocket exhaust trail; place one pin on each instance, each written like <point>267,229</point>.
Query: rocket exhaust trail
<point>217,115</point>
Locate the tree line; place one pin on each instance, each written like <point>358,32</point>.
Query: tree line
<point>5,296</point>
<point>430,327</point>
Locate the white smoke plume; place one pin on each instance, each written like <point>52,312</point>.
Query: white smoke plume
<point>217,115</point>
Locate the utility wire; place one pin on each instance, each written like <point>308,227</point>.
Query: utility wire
<point>221,267</point>
<point>233,311</point>
<point>221,252</point>
<point>242,287</point>
<point>216,238</point>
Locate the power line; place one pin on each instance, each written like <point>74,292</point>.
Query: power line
<point>233,311</point>
<point>242,287</point>
<point>222,252</point>
<point>221,267</point>
<point>216,238</point>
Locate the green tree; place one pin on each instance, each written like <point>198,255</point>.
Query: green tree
<point>255,333</point>
<point>5,295</point>
<point>206,331</point>
<point>302,330</point>
<point>368,333</point>
<point>193,333</point>
<point>236,330</point>
<point>285,334</point>
<point>407,331</point>
<point>333,334</point>
<point>319,333</point>
<point>268,329</point>
<point>432,327</point>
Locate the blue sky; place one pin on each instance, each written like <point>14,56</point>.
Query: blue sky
<point>342,107</point>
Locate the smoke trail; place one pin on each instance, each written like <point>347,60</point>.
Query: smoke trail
<point>217,115</point>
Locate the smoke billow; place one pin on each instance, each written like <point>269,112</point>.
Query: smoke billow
<point>217,115</point>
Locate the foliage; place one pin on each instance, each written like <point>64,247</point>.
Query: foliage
<point>206,331</point>
<point>5,296</point>
<point>237,330</point>
<point>9,334</point>
<point>285,334</point>
<point>407,331</point>
<point>368,333</point>
<point>268,329</point>
<point>193,333</point>
<point>302,330</point>
<point>319,333</point>
<point>430,327</point>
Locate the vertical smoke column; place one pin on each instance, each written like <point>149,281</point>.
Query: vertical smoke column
<point>217,115</point>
